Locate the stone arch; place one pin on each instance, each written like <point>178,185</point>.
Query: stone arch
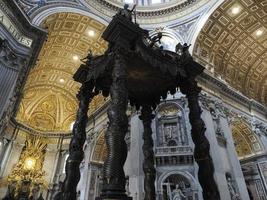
<point>245,140</point>
<point>171,35</point>
<point>99,152</point>
<point>39,18</point>
<point>185,174</point>
<point>224,47</point>
<point>170,123</point>
<point>201,22</point>
<point>166,104</point>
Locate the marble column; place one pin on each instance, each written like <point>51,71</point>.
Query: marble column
<point>133,164</point>
<point>233,157</point>
<point>83,185</point>
<point>218,159</point>
<point>5,154</point>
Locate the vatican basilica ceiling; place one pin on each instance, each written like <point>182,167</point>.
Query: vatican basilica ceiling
<point>245,141</point>
<point>49,99</point>
<point>233,43</point>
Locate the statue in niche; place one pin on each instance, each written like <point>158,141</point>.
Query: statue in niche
<point>170,131</point>
<point>177,193</point>
<point>126,12</point>
<point>234,195</point>
<point>11,189</point>
<point>216,119</point>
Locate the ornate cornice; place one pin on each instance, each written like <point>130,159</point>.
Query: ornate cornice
<point>149,15</point>
<point>150,12</point>
<point>39,133</point>
<point>219,108</point>
<point>225,90</point>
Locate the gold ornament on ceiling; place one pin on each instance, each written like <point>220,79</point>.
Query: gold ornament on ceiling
<point>233,46</point>
<point>170,110</point>
<point>245,140</point>
<point>49,101</point>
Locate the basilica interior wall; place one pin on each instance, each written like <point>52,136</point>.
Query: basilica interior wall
<point>236,125</point>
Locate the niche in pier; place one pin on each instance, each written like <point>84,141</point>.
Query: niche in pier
<point>171,130</point>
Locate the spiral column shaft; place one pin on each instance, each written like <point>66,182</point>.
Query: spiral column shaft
<point>76,145</point>
<point>148,164</point>
<point>202,146</point>
<point>113,174</point>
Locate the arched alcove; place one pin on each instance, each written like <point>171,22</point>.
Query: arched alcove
<point>172,180</point>
<point>171,129</point>
<point>245,140</point>
<point>100,149</point>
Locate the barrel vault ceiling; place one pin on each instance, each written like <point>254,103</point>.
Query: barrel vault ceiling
<point>49,99</point>
<point>245,141</point>
<point>233,43</point>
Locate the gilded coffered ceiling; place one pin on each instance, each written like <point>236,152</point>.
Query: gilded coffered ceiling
<point>49,100</point>
<point>233,46</point>
<point>245,140</point>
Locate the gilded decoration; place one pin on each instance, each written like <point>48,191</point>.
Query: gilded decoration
<point>100,150</point>
<point>170,110</point>
<point>49,101</point>
<point>29,168</point>
<point>245,140</point>
<point>232,45</point>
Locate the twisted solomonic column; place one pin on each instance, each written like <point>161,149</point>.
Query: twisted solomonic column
<point>113,174</point>
<point>202,146</point>
<point>148,164</point>
<point>76,153</point>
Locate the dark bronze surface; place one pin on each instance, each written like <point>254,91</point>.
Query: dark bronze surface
<point>148,164</point>
<point>202,146</point>
<point>76,154</point>
<point>133,70</point>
